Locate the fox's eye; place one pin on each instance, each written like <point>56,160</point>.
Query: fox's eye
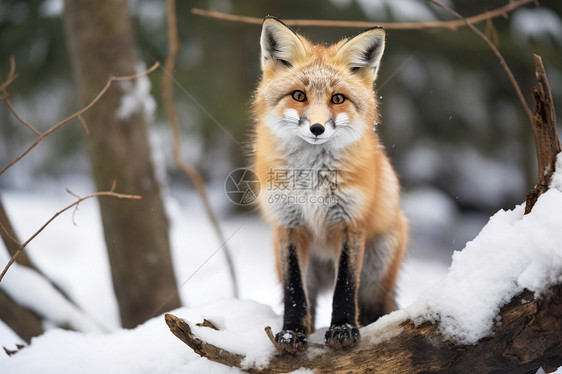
<point>299,96</point>
<point>338,99</point>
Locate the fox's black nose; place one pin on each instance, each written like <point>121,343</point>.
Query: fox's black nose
<point>317,129</point>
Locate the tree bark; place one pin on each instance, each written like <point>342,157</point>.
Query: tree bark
<point>529,336</point>
<point>101,43</point>
<point>547,143</point>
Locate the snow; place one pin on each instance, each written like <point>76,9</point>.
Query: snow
<point>149,348</point>
<point>479,180</point>
<point>151,14</point>
<point>31,290</point>
<point>511,253</point>
<point>71,252</point>
<point>400,10</point>
<point>556,181</point>
<point>540,24</point>
<point>51,8</point>
<point>244,333</point>
<point>137,97</point>
<point>432,208</point>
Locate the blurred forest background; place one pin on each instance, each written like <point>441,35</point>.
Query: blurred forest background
<point>452,124</point>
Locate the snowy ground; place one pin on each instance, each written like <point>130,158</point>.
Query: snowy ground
<point>71,252</point>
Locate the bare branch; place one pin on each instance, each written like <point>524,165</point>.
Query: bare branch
<point>78,114</point>
<point>12,75</point>
<point>78,201</point>
<point>496,52</point>
<point>189,170</point>
<point>6,96</point>
<point>24,122</point>
<point>84,125</point>
<point>453,25</point>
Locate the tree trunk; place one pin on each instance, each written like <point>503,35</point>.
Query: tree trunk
<point>101,43</point>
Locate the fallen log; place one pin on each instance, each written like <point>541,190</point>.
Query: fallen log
<point>528,337</point>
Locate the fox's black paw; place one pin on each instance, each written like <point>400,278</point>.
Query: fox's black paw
<point>291,341</point>
<point>342,336</point>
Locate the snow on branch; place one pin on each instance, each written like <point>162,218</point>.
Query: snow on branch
<point>453,25</point>
<point>42,135</point>
<point>79,199</point>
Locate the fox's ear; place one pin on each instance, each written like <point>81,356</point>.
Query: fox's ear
<point>279,44</point>
<point>364,51</point>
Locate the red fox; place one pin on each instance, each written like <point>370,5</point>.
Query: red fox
<point>333,198</point>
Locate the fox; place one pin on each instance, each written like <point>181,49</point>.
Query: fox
<point>332,197</point>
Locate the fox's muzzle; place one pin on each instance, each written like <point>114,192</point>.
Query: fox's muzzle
<point>318,116</point>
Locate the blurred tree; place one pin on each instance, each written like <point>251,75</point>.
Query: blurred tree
<point>101,43</point>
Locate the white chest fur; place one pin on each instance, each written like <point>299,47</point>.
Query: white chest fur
<point>308,192</point>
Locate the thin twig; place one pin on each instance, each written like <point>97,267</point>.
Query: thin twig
<point>189,170</point>
<point>12,75</point>
<point>271,337</point>
<point>79,113</point>
<point>111,193</point>
<point>24,122</point>
<point>84,125</point>
<point>496,52</point>
<point>453,25</point>
<point>9,235</point>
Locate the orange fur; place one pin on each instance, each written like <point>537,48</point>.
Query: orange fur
<point>365,176</point>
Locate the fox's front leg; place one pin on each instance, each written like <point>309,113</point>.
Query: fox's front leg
<point>291,250</point>
<point>344,331</point>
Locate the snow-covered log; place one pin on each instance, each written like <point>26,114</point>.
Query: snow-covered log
<point>529,337</point>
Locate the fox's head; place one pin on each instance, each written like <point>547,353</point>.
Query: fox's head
<point>315,93</point>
